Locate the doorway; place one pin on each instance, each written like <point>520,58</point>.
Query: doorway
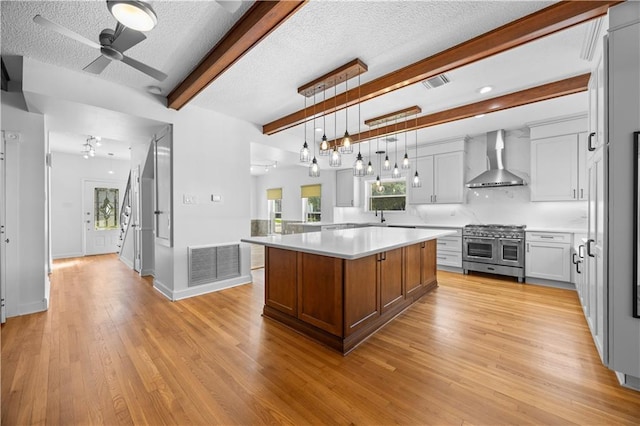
<point>101,216</point>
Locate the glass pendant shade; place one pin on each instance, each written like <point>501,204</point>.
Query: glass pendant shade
<point>380,188</point>
<point>314,168</point>
<point>405,162</point>
<point>369,169</point>
<point>378,181</point>
<point>347,147</point>
<point>304,153</point>
<point>396,171</point>
<point>415,183</point>
<point>387,163</point>
<point>324,146</point>
<point>336,159</point>
<point>358,167</point>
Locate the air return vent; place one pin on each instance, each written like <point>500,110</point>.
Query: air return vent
<point>437,81</point>
<point>208,264</point>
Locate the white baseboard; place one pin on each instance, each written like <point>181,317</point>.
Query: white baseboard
<point>34,307</point>
<point>201,289</point>
<point>67,255</point>
<point>126,261</point>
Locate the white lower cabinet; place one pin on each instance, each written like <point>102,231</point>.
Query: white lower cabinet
<point>548,256</point>
<point>449,249</point>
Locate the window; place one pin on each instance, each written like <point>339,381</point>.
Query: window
<point>390,195</point>
<point>311,196</point>
<point>274,210</point>
<point>106,209</point>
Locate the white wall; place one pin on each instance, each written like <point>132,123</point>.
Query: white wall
<point>67,174</point>
<point>505,205</point>
<point>210,156</point>
<point>290,180</point>
<point>27,283</point>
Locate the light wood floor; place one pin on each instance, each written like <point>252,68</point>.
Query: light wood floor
<point>112,350</point>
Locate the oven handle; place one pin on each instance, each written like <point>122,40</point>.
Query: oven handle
<point>511,239</point>
<point>479,238</point>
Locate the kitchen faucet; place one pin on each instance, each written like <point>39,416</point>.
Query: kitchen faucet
<point>382,219</point>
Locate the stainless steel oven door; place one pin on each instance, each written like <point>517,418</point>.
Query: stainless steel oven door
<point>511,252</point>
<point>480,249</point>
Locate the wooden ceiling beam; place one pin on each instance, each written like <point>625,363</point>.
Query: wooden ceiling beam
<point>557,17</point>
<point>259,21</point>
<point>545,92</point>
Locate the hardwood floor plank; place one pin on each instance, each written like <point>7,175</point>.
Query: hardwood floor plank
<point>477,350</point>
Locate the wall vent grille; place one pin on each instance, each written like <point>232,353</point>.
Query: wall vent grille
<point>437,81</point>
<point>213,263</point>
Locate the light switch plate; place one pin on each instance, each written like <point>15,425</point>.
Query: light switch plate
<point>216,198</point>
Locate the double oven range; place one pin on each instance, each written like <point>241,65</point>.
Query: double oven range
<point>495,249</point>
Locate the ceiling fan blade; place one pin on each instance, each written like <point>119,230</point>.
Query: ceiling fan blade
<point>97,66</point>
<point>64,31</point>
<point>152,72</point>
<point>127,38</point>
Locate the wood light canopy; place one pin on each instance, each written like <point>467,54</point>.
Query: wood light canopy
<point>396,115</point>
<point>544,92</point>
<point>258,22</point>
<point>557,17</point>
<point>333,78</point>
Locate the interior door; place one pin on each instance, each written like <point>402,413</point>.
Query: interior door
<point>102,202</point>
<point>3,235</point>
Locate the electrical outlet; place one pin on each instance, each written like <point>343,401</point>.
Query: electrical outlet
<point>216,198</point>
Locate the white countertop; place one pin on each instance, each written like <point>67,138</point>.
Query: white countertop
<point>350,243</point>
<point>563,230</point>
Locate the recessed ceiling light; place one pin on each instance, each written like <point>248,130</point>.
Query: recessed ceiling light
<point>485,89</point>
<point>479,116</point>
<point>318,129</point>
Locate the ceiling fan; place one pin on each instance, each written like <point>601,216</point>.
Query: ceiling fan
<point>113,44</point>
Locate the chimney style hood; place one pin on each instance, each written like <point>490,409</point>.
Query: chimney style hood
<point>497,175</point>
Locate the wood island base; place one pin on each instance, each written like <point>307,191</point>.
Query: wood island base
<point>340,302</point>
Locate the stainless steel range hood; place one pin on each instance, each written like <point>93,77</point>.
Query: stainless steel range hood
<point>497,175</point>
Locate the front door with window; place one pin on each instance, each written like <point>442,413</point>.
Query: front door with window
<point>101,217</point>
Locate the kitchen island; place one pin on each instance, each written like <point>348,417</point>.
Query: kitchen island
<point>340,286</point>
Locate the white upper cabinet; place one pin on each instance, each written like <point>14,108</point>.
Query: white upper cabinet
<point>554,168</point>
<point>347,189</point>
<point>442,177</point>
<point>559,160</point>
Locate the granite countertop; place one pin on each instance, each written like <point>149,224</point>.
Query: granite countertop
<point>351,243</point>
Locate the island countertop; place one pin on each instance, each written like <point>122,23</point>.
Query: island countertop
<point>350,243</point>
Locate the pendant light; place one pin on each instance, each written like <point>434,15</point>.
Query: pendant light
<point>314,168</point>
<point>336,159</point>
<point>347,147</point>
<point>304,152</point>
<point>406,165</point>
<point>387,163</point>
<point>324,144</point>
<point>415,183</point>
<point>110,171</point>
<point>358,166</point>
<point>396,171</point>
<point>369,171</point>
<point>378,181</point>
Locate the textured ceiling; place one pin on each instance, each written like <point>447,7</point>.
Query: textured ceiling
<point>321,36</point>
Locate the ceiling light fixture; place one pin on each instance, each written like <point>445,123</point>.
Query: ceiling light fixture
<point>485,89</point>
<point>415,183</point>
<point>314,168</point>
<point>346,147</point>
<point>267,166</point>
<point>336,158</point>
<point>324,144</point>
<point>135,14</point>
<point>479,116</point>
<point>396,171</point>
<point>387,164</point>
<point>370,170</point>
<point>87,149</point>
<point>358,166</point>
<point>304,152</point>
<point>406,165</point>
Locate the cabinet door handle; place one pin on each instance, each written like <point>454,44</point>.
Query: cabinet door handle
<point>578,267</point>
<point>527,247</point>
<point>581,193</point>
<point>581,250</point>
<point>589,146</point>
<point>589,252</point>
<point>574,193</point>
<point>435,198</point>
<point>573,259</point>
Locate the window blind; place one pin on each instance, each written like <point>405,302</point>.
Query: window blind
<point>308,191</point>
<point>274,194</point>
